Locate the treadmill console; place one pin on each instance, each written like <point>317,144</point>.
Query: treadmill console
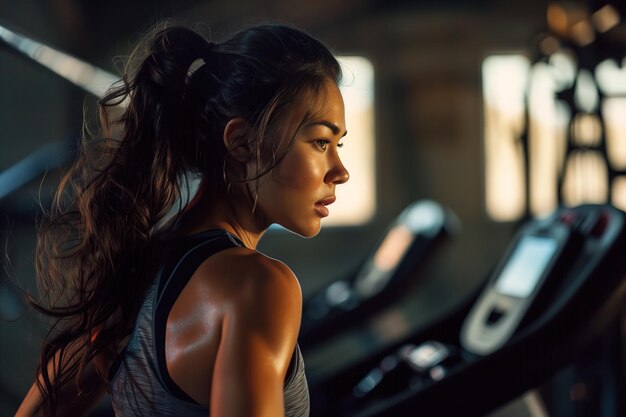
<point>408,243</point>
<point>423,219</point>
<point>535,256</point>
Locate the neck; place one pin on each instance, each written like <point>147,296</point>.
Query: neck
<point>230,214</point>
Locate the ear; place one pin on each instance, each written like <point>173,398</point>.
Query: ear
<point>236,139</point>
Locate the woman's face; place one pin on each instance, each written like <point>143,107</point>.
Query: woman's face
<point>296,193</point>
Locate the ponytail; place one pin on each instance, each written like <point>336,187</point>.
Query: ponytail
<point>96,248</point>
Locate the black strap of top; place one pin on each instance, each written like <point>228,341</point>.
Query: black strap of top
<point>191,252</point>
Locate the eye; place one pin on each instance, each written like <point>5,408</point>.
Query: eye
<point>322,143</point>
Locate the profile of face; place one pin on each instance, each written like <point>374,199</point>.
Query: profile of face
<point>296,192</point>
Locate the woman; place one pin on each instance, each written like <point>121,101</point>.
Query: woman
<point>181,316</point>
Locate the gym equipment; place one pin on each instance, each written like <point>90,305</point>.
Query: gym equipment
<point>558,289</point>
<point>406,245</point>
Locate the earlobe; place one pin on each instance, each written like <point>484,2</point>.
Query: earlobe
<point>236,139</point>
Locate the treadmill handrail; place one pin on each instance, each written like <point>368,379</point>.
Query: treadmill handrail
<point>88,77</point>
<point>51,156</point>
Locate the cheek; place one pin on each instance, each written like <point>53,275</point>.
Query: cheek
<point>300,171</point>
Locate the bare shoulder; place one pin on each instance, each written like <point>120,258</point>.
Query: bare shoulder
<point>262,305</point>
<point>245,275</point>
<point>239,312</point>
<point>238,282</point>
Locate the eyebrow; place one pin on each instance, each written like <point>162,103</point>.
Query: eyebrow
<point>329,125</point>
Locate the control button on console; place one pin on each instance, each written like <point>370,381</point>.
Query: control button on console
<point>568,218</point>
<point>600,225</point>
<point>495,315</point>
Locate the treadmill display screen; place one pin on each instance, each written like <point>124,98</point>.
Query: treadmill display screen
<point>520,275</point>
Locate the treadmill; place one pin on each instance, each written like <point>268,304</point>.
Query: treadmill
<point>408,244</point>
<point>558,289</point>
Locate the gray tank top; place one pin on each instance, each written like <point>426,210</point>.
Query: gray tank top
<point>139,384</point>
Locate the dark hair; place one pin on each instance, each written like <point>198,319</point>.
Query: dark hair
<point>97,247</point>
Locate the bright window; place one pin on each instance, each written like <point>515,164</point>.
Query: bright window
<point>521,102</point>
<point>356,199</point>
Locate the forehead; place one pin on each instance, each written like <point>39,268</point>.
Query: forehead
<point>327,104</point>
<point>306,108</point>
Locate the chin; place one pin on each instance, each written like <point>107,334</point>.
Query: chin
<point>306,232</point>
<point>312,234</point>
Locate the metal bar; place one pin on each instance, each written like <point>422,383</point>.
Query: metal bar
<point>36,164</point>
<point>84,75</point>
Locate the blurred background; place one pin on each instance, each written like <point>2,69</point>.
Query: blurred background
<point>497,110</point>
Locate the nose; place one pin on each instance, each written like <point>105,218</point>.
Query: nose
<point>338,174</point>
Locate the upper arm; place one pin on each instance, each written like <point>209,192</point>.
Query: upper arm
<point>259,332</point>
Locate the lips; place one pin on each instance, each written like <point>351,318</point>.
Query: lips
<point>327,200</point>
<point>320,206</point>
